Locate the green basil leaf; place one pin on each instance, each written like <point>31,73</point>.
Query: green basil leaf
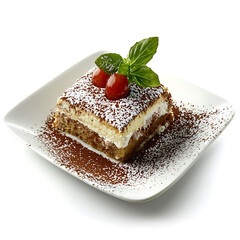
<point>142,52</point>
<point>109,62</point>
<point>144,76</point>
<point>123,68</point>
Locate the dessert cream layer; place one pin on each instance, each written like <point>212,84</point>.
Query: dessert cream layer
<point>110,133</point>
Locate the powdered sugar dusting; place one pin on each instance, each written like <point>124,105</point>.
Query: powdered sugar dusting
<point>161,160</point>
<point>118,113</point>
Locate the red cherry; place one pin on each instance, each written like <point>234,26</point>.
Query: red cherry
<point>117,87</point>
<point>100,78</point>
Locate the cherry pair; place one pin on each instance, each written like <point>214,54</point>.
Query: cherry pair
<point>116,85</point>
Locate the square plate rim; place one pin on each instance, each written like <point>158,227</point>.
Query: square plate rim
<point>9,124</point>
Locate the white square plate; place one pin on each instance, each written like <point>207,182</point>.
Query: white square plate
<point>160,165</point>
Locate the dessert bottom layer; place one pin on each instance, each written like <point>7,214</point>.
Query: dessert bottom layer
<point>75,128</point>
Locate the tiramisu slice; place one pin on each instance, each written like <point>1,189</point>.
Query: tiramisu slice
<point>115,127</point>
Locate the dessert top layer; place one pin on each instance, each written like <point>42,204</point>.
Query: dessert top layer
<point>118,113</point>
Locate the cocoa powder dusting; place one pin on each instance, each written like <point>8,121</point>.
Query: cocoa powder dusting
<point>192,129</point>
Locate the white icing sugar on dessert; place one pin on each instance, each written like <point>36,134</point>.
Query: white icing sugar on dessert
<point>115,127</point>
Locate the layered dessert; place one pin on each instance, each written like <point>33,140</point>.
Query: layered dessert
<point>118,105</point>
<point>115,127</point>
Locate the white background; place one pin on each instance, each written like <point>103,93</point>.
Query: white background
<point>199,42</point>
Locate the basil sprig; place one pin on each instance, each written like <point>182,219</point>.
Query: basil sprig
<point>134,66</point>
